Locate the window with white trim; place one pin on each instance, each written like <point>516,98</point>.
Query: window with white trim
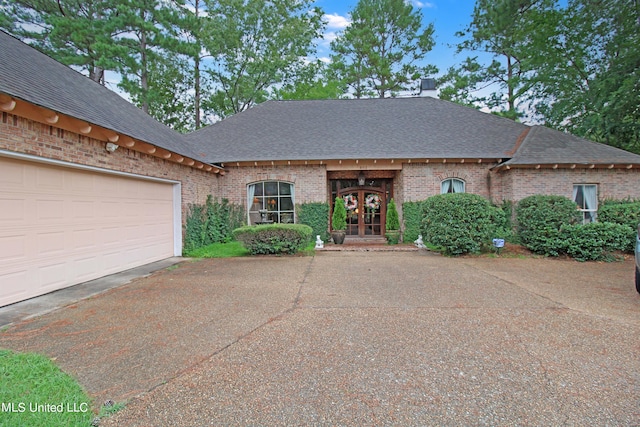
<point>452,185</point>
<point>586,197</point>
<point>271,201</point>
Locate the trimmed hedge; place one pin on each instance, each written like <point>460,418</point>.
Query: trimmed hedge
<point>392,220</point>
<point>596,241</point>
<point>316,216</point>
<point>460,223</point>
<point>411,217</point>
<point>274,238</point>
<point>540,221</point>
<point>624,212</point>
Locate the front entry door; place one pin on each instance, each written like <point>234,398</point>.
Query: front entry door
<point>365,211</point>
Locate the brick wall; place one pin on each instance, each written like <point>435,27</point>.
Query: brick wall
<point>310,182</point>
<point>25,136</point>
<point>612,183</point>
<point>420,181</point>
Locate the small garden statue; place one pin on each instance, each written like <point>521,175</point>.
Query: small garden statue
<point>419,243</point>
<point>319,242</point>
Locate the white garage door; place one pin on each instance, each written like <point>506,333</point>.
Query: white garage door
<point>61,226</point>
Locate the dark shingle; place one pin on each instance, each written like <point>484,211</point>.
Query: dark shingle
<point>547,146</point>
<point>357,129</point>
<point>29,75</point>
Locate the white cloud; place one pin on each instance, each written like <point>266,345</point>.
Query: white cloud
<point>421,4</point>
<point>336,21</point>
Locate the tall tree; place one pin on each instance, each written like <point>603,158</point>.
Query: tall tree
<point>314,81</point>
<point>379,52</point>
<point>255,44</point>
<point>588,71</point>
<point>76,33</point>
<point>148,34</point>
<point>499,30</point>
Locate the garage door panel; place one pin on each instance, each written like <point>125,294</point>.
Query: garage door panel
<point>62,226</point>
<point>50,178</point>
<point>13,176</point>
<point>50,243</point>
<point>52,277</point>
<point>8,291</point>
<point>12,210</point>
<point>12,248</point>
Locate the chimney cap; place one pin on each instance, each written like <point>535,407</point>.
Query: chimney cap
<point>427,84</point>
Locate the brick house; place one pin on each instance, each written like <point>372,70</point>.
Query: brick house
<point>406,148</point>
<point>90,185</point>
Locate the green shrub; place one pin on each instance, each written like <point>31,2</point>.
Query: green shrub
<point>316,216</point>
<point>339,217</point>
<point>411,217</point>
<point>210,223</point>
<point>540,221</point>
<point>194,234</point>
<point>460,223</point>
<point>274,238</point>
<point>392,221</point>
<point>596,241</point>
<point>624,212</point>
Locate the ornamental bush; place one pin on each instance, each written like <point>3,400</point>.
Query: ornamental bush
<point>339,217</point>
<point>274,238</point>
<point>596,241</point>
<point>316,216</point>
<point>411,217</point>
<point>541,219</point>
<point>392,221</point>
<point>460,223</point>
<point>624,212</point>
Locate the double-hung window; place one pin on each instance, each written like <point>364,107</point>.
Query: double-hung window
<point>586,197</point>
<point>270,201</point>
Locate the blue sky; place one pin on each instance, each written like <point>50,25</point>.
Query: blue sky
<point>447,16</point>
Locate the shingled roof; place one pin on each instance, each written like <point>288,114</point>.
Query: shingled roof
<point>397,128</point>
<point>542,145</point>
<point>29,75</point>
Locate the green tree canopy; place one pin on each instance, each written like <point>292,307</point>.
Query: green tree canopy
<point>499,30</point>
<point>587,78</point>
<point>254,45</point>
<point>378,54</point>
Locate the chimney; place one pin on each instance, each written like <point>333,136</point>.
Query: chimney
<point>428,88</point>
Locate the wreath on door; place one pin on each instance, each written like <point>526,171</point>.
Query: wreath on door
<point>372,201</point>
<point>350,202</point>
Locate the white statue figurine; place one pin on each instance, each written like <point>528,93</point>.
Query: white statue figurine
<point>319,243</point>
<point>419,243</point>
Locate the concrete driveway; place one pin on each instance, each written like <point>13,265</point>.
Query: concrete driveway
<point>357,338</point>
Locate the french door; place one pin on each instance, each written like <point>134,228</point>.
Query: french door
<point>365,211</point>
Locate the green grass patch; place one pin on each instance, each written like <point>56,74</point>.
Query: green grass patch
<point>36,393</point>
<point>219,250</point>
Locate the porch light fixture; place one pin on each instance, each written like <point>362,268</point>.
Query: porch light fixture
<point>111,147</point>
<point>361,179</point>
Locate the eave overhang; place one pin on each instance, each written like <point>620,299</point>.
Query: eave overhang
<point>605,165</point>
<point>359,164</point>
<point>21,108</point>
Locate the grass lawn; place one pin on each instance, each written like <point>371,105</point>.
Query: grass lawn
<point>233,249</point>
<point>35,392</point>
<point>219,250</point>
